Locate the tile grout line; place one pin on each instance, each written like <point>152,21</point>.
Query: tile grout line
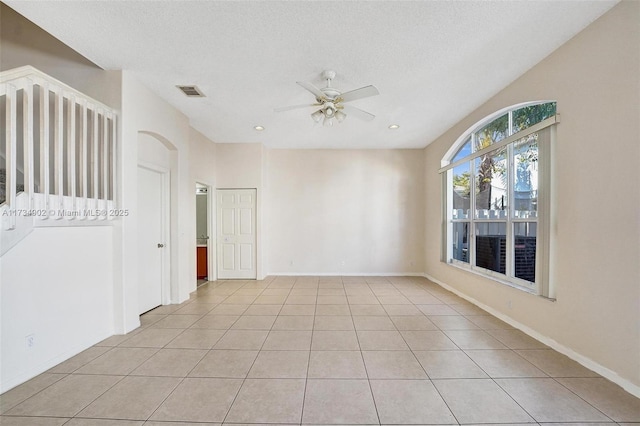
<point>183,379</point>
<point>366,371</point>
<point>423,369</point>
<point>306,378</point>
<point>244,380</point>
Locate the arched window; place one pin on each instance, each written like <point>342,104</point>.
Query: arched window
<point>496,179</point>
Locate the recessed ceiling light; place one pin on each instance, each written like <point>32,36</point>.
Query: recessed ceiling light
<point>259,128</point>
<point>394,126</point>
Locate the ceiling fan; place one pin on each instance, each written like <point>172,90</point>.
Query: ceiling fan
<point>331,101</point>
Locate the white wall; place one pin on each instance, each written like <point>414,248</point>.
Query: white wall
<point>596,231</point>
<point>152,151</point>
<point>145,113</point>
<point>58,282</point>
<point>57,286</point>
<point>345,211</point>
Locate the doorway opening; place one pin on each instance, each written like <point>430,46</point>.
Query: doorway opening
<point>203,272</point>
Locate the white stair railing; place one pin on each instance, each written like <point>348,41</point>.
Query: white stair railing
<point>58,155</point>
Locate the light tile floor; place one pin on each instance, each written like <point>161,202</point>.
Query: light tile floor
<point>328,350</point>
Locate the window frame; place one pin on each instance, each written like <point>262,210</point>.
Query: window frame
<point>546,130</point>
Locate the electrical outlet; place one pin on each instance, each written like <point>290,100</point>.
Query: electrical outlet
<point>31,340</point>
<point>509,305</point>
<point>343,263</point>
<point>291,263</point>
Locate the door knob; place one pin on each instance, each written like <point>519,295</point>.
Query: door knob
<point>160,245</point>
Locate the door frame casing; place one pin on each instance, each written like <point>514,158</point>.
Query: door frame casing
<point>165,219</point>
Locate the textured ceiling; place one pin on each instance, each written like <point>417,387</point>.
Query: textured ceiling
<point>433,61</point>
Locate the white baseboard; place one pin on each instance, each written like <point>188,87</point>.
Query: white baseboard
<point>579,358</point>
<point>347,274</point>
<point>11,382</point>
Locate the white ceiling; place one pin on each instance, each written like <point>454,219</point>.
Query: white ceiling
<point>432,61</point>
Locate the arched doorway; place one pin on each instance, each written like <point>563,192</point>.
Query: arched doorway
<point>154,221</point>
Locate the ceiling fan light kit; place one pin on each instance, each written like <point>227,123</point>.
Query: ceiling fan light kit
<point>331,101</point>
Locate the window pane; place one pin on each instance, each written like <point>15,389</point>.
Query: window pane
<point>461,191</point>
<point>491,185</point>
<point>525,187</point>
<point>533,114</point>
<point>491,246</point>
<point>460,241</point>
<point>464,151</point>
<point>491,133</point>
<point>525,250</point>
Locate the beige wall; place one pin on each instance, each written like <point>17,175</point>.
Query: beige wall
<point>239,165</point>
<point>242,166</point>
<point>202,159</point>
<point>595,79</point>
<point>345,211</point>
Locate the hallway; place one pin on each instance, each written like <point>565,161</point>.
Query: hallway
<point>327,350</point>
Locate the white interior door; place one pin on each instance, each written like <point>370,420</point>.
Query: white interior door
<point>150,238</point>
<point>236,233</point>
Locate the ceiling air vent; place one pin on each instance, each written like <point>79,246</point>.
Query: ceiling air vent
<point>191,91</point>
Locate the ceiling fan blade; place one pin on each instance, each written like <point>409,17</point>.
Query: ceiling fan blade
<point>363,92</point>
<point>289,108</point>
<point>313,89</point>
<point>357,112</point>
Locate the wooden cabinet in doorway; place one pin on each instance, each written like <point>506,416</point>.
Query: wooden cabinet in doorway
<point>202,262</point>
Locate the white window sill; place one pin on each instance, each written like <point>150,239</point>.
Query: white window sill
<point>464,267</point>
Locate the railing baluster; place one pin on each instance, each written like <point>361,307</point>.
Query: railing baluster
<point>105,162</point>
<point>95,169</point>
<point>44,143</point>
<point>114,158</point>
<point>83,158</point>
<point>27,121</point>
<point>83,146</point>
<point>58,143</point>
<point>11,150</point>
<point>71,150</point>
